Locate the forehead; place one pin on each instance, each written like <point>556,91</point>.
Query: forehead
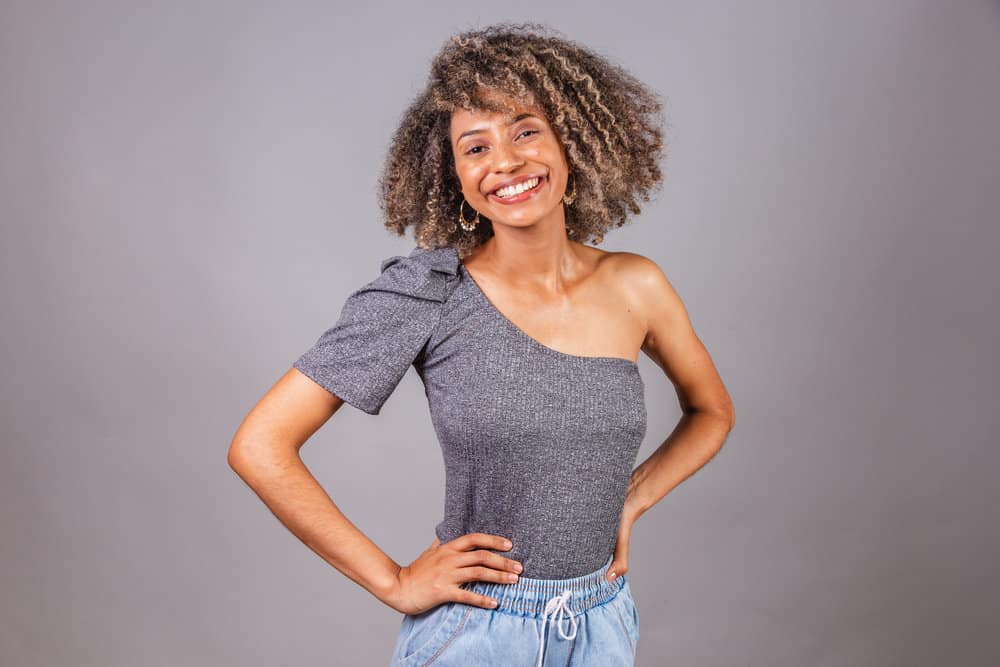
<point>463,120</point>
<point>509,109</point>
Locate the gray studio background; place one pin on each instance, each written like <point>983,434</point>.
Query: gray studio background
<point>187,193</point>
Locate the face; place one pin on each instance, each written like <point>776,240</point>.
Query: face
<point>493,151</point>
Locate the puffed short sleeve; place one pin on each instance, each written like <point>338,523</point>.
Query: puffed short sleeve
<point>382,328</point>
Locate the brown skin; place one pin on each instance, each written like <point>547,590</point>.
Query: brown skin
<point>570,297</point>
<point>265,454</point>
<point>585,301</point>
<point>611,125</point>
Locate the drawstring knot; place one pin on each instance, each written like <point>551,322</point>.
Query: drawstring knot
<point>556,605</point>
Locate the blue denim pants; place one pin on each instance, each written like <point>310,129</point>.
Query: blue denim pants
<point>585,621</point>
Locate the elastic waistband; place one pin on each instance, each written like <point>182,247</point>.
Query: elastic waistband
<point>528,597</point>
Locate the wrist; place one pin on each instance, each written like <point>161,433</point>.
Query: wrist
<point>386,589</point>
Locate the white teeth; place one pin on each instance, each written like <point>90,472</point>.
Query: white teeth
<point>517,189</point>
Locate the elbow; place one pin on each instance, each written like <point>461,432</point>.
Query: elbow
<point>236,456</point>
<point>725,414</point>
<point>720,411</point>
<point>243,457</point>
<point>255,457</point>
<point>728,412</point>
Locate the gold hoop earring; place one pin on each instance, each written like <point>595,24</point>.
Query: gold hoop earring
<point>467,225</point>
<point>571,197</point>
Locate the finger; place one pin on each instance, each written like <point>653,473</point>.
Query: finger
<point>475,599</point>
<point>621,555</point>
<point>485,540</point>
<point>619,563</point>
<point>481,573</point>
<point>488,559</point>
<point>617,569</point>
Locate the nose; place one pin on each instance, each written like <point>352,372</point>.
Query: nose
<point>506,157</point>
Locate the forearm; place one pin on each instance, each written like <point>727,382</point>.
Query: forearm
<point>297,499</point>
<point>697,437</point>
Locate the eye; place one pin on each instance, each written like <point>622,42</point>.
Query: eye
<point>473,151</point>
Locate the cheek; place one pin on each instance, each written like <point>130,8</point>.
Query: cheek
<point>471,179</point>
<point>550,153</point>
<point>558,155</point>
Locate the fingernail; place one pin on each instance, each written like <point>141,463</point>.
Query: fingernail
<point>507,545</point>
<point>614,574</point>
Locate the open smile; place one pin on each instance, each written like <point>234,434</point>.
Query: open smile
<point>517,193</point>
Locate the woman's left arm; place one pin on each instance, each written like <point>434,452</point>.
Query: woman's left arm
<point>708,413</point>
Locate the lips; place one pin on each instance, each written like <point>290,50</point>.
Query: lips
<point>520,197</point>
<point>515,181</point>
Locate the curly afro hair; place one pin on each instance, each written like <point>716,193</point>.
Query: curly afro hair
<point>609,123</point>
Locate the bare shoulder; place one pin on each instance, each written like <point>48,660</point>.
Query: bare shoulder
<point>633,265</point>
<point>644,284</point>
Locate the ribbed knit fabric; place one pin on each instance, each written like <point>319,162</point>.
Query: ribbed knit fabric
<point>538,445</point>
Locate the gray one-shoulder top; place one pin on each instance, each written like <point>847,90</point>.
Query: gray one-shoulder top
<point>538,444</point>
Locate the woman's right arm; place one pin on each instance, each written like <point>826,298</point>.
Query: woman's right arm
<point>265,453</point>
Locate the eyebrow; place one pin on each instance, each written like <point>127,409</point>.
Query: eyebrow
<point>477,130</point>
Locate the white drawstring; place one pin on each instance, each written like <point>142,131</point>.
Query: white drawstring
<point>556,604</point>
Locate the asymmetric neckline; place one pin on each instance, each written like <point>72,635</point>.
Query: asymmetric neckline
<point>506,321</point>
<point>538,444</point>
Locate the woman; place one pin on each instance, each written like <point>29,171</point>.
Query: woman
<point>522,147</point>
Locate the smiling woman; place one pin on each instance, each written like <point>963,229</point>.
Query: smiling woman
<point>522,146</point>
<point>527,143</point>
<point>534,89</point>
